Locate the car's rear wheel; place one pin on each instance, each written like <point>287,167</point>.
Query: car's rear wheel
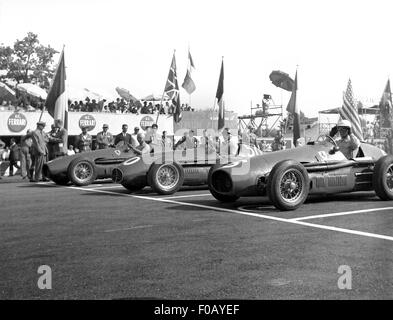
<point>61,180</point>
<point>82,172</point>
<point>166,178</point>
<point>219,196</point>
<point>383,178</point>
<point>288,185</point>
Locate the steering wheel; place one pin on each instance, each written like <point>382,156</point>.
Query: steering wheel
<point>323,137</point>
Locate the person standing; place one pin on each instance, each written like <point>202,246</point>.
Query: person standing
<point>25,156</point>
<point>84,141</point>
<point>134,140</point>
<point>104,138</point>
<point>228,146</point>
<point>14,156</point>
<point>39,151</point>
<point>123,138</point>
<point>62,138</point>
<point>2,145</point>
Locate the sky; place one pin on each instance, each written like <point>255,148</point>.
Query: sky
<point>130,44</point>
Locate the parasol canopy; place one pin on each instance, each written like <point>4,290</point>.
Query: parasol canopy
<point>282,80</point>
<point>156,97</point>
<point>6,93</point>
<point>80,94</point>
<point>32,90</point>
<point>125,94</point>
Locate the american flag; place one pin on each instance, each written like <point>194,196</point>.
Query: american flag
<point>385,107</point>
<point>349,112</point>
<point>172,90</point>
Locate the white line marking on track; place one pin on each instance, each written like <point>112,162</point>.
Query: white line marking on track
<point>341,213</point>
<point>187,196</point>
<point>130,228</point>
<point>319,226</point>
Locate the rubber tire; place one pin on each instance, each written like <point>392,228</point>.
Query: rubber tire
<point>220,197</point>
<point>156,187</point>
<point>61,180</point>
<point>72,177</point>
<point>379,179</point>
<point>273,185</point>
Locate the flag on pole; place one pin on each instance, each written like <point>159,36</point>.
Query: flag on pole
<point>172,90</point>
<point>349,112</point>
<point>293,109</point>
<point>220,99</point>
<point>56,101</point>
<point>386,107</point>
<point>188,83</point>
<point>190,59</point>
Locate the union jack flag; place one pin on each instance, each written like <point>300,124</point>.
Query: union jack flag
<point>172,90</point>
<point>349,112</point>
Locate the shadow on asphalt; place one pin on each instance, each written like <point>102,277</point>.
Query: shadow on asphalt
<point>36,185</point>
<point>356,197</point>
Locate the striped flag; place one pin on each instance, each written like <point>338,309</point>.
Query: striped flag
<point>188,83</point>
<point>172,90</point>
<point>56,101</point>
<point>349,112</point>
<point>220,99</point>
<point>386,107</point>
<point>293,108</point>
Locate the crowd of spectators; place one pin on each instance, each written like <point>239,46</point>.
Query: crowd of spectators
<point>122,106</point>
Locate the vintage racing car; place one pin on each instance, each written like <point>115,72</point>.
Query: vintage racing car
<point>287,177</point>
<point>165,172</point>
<point>83,168</point>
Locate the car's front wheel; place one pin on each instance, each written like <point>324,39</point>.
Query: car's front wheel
<point>383,178</point>
<point>166,178</point>
<point>288,185</point>
<point>82,172</point>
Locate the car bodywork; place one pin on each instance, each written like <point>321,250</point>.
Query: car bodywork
<point>137,172</point>
<point>316,168</point>
<point>97,164</point>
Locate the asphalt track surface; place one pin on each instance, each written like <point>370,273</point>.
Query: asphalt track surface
<point>102,242</point>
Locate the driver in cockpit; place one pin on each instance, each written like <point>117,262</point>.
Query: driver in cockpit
<point>348,142</point>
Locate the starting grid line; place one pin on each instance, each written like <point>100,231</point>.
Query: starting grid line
<point>296,221</point>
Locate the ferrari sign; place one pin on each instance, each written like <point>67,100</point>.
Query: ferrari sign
<point>88,121</point>
<point>146,121</point>
<point>16,122</point>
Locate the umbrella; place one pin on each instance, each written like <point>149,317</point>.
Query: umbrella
<point>125,94</point>
<point>80,94</point>
<point>282,80</point>
<point>6,93</point>
<point>156,97</point>
<point>32,90</point>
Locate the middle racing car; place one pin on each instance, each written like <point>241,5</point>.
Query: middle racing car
<point>165,172</point>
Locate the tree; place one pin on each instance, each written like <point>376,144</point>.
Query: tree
<point>28,61</point>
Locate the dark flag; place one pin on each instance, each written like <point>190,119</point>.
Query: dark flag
<point>56,101</point>
<point>220,99</point>
<point>172,90</point>
<point>350,112</point>
<point>293,109</point>
<point>188,83</point>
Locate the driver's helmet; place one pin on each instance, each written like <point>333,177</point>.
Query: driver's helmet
<point>344,123</point>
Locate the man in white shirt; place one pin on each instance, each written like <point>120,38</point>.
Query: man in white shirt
<point>348,142</point>
<point>134,140</point>
<point>228,146</point>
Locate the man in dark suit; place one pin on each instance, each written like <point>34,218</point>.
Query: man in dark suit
<point>123,138</point>
<point>14,156</point>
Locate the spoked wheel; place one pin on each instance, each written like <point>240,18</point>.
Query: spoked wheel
<point>383,178</point>
<point>82,172</point>
<point>166,178</point>
<point>288,185</point>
